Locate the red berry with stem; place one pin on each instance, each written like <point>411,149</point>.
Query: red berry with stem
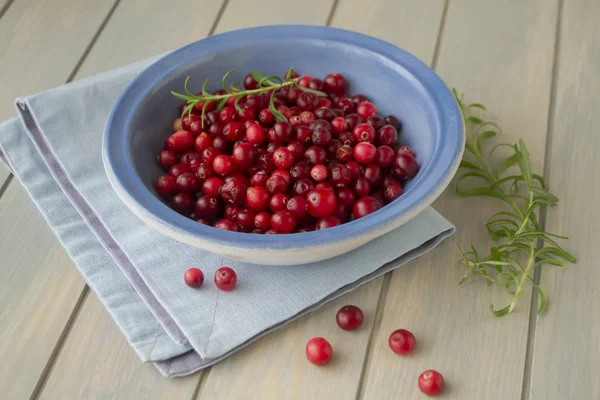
<point>283,221</point>
<point>335,83</point>
<point>167,159</point>
<point>193,277</point>
<point>166,185</point>
<point>225,279</point>
<point>402,341</point>
<point>257,198</point>
<point>366,109</point>
<point>319,351</point>
<point>180,141</point>
<point>431,382</point>
<point>349,318</point>
<point>392,192</point>
<point>319,173</point>
<point>364,133</point>
<point>304,81</point>
<point>365,153</point>
<point>321,202</point>
<point>283,158</point>
<point>365,206</point>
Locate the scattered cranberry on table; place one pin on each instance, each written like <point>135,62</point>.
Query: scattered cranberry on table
<point>242,168</point>
<point>319,351</point>
<point>349,318</point>
<point>431,382</point>
<point>225,278</point>
<point>402,341</point>
<point>193,277</point>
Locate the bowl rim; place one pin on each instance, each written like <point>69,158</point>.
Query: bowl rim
<point>122,176</point>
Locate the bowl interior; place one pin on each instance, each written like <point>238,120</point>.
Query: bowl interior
<point>392,88</point>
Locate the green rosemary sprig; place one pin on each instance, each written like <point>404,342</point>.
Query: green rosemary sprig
<point>265,84</point>
<point>521,244</point>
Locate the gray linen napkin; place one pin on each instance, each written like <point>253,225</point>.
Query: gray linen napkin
<point>54,149</point>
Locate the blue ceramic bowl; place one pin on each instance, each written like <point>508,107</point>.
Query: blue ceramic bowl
<point>394,80</point>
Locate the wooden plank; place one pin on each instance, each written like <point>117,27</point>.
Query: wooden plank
<point>38,293</point>
<point>566,352</point>
<point>97,362</point>
<point>87,347</point>
<point>504,62</point>
<point>29,34</point>
<point>275,366</point>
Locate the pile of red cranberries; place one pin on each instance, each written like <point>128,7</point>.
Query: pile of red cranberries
<point>334,160</point>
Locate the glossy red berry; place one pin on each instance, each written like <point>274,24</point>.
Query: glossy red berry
<point>365,206</point>
<point>234,131</point>
<point>276,184</point>
<point>297,150</point>
<point>365,153</point>
<point>227,225</point>
<point>300,171</point>
<point>303,186</point>
<point>315,84</point>
<point>431,382</point>
<point>278,202</point>
<point>385,156</point>
<point>335,83</point>
<point>319,351</point>
<point>283,221</point>
<point>250,83</point>
<point>339,125</point>
<point>259,179</point>
<point>364,133</point>
<point>307,101</point>
<point>282,132</point>
<point>361,187</point>
<point>166,185</point>
<point>246,113</point>
<point>182,203</point>
<point>321,136</point>
<point>315,155</point>
<point>207,207</point>
<point>262,221</point>
<point>167,159</point>
<point>265,117</point>
<point>395,122</point>
<point>223,164</point>
<point>243,155</point>
<point>245,219</point>
<point>324,113</point>
<point>212,186</point>
<point>188,120</point>
<point>193,277</point>
<point>283,158</point>
<point>405,166</point>
<point>327,222</point>
<point>402,341</point>
<point>257,198</point>
<point>365,110</point>
<point>375,121</point>
<point>180,141</point>
<point>373,174</point>
<point>387,135</point>
<point>339,175</point>
<point>349,318</point>
<point>392,192</point>
<point>255,134</point>
<point>321,202</point>
<point>405,150</point>
<point>188,183</point>
<point>298,207</point>
<point>319,173</point>
<point>225,278</point>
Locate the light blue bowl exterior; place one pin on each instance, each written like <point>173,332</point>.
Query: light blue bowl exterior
<point>397,82</point>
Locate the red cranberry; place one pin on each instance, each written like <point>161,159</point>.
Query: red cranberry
<point>234,131</point>
<point>335,83</point>
<point>378,195</point>
<point>431,382</point>
<point>282,132</point>
<point>272,147</point>
<point>372,173</point>
<point>340,176</point>
<point>339,125</point>
<point>254,101</point>
<point>221,144</point>
<point>324,113</point>
<point>188,183</point>
<point>321,136</point>
<point>304,80</point>
<point>297,206</point>
<point>191,158</point>
<point>262,221</point>
<point>255,134</point>
<point>326,185</point>
<point>203,141</point>
<point>276,184</point>
<point>300,171</point>
<point>342,212</point>
<point>233,193</point>
<point>238,177</point>
<point>347,139</point>
<point>179,169</point>
<point>246,113</point>
<point>243,155</point>
<point>182,203</point>
<point>346,196</point>
<point>295,121</point>
<point>332,148</point>
<point>307,101</point>
<point>359,98</point>
<point>303,186</point>
<point>393,121</point>
<point>284,173</point>
<point>212,186</point>
<point>365,206</point>
<point>319,123</point>
<point>227,114</point>
<point>226,225</point>
<point>327,222</point>
<point>295,111</point>
<point>392,192</point>
<point>186,122</point>
<point>212,117</point>
<point>167,159</point>
<point>215,129</point>
<point>318,351</point>
<point>257,198</point>
<point>283,221</point>
<point>324,102</point>
<point>365,110</point>
<point>265,163</point>
<point>307,117</point>
<point>231,213</point>
<point>223,164</point>
<point>297,150</point>
<point>207,207</point>
<point>278,202</point>
<point>319,173</point>
<point>180,141</point>
<point>208,155</point>
<point>389,180</point>
<point>225,278</point>
<point>346,105</point>
<point>375,121</point>
<point>315,155</point>
<point>193,277</point>
<point>352,120</point>
<point>316,84</point>
<point>259,179</point>
<point>364,133</point>
<point>196,128</point>
<point>387,136</point>
<point>283,158</point>
<point>361,187</point>
<point>250,83</point>
<point>344,154</point>
<point>245,219</point>
<point>166,185</point>
<point>354,168</point>
<point>385,156</point>
<point>364,153</point>
<point>405,166</point>
<point>321,202</point>
<point>266,117</point>
<point>349,318</point>
<point>303,134</point>
<point>405,150</point>
<point>402,341</point>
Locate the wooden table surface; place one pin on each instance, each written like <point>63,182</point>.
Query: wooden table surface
<point>534,63</point>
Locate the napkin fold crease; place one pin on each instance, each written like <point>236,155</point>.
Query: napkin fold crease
<point>54,149</point>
